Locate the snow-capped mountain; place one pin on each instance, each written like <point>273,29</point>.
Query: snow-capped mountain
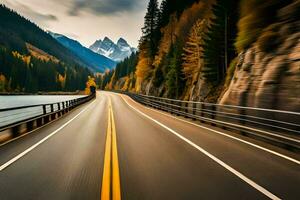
<point>116,52</point>
<point>94,61</point>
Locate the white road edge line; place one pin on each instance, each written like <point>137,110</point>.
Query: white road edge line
<point>230,136</point>
<point>235,172</point>
<point>11,161</point>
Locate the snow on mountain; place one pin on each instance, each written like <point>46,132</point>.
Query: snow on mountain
<point>115,51</point>
<point>94,61</point>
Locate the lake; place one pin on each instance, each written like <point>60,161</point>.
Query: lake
<point>9,117</point>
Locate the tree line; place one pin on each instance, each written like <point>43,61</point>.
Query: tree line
<point>25,73</point>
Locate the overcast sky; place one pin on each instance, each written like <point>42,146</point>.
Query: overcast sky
<point>86,20</point>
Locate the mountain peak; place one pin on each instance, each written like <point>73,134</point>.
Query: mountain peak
<point>107,40</point>
<point>116,52</point>
<point>96,62</point>
<point>122,42</point>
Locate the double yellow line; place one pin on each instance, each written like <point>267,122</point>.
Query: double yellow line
<point>111,187</point>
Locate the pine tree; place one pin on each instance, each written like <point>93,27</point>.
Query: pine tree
<point>218,48</point>
<point>174,79</point>
<point>150,37</point>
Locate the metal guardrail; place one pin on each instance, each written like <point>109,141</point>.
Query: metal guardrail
<point>275,126</point>
<point>39,115</point>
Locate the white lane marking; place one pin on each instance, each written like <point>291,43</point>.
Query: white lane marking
<point>232,137</point>
<point>235,172</point>
<point>11,161</point>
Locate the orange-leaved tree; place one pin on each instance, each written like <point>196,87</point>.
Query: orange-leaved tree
<point>89,84</point>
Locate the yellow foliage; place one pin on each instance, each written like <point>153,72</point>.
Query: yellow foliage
<point>2,83</point>
<point>143,68</point>
<point>112,81</point>
<point>24,58</point>
<point>193,51</point>
<point>62,80</point>
<point>90,83</point>
<point>126,84</point>
<point>40,54</point>
<point>180,28</point>
<point>16,54</point>
<point>169,37</point>
<point>2,78</point>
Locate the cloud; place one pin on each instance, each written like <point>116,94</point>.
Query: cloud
<point>37,17</point>
<point>104,7</point>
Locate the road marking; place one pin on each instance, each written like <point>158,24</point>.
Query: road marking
<point>11,161</point>
<point>106,179</point>
<point>229,136</point>
<point>111,187</point>
<point>232,170</point>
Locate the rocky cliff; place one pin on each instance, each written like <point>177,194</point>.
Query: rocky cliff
<point>270,77</point>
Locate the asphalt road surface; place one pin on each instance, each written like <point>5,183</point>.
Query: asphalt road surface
<point>154,155</point>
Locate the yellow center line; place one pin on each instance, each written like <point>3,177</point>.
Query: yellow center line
<point>111,187</point>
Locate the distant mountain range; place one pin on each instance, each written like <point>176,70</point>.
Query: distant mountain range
<point>115,51</point>
<point>97,62</point>
<point>31,60</point>
<point>16,32</point>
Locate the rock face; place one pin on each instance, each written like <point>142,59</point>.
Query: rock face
<point>270,79</point>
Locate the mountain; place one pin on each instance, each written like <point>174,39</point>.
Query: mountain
<point>16,31</point>
<point>97,62</point>
<point>117,52</point>
<point>31,60</point>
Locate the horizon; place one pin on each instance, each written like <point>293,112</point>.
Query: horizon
<point>73,18</point>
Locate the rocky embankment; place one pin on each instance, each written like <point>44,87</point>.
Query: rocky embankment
<point>270,78</point>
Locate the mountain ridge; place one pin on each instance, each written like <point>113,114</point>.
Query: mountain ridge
<point>116,51</point>
<point>97,62</point>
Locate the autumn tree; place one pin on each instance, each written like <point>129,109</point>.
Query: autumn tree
<point>193,51</point>
<point>89,84</point>
<point>2,83</point>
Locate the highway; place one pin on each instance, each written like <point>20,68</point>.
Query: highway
<point>115,148</point>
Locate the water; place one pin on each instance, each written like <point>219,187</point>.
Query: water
<point>9,117</point>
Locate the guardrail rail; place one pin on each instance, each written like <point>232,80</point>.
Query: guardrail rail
<point>274,126</point>
<point>39,115</point>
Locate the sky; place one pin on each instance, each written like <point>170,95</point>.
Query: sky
<point>86,20</point>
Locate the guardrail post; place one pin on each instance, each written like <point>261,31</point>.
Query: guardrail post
<point>183,109</point>
<point>51,108</point>
<point>213,114</point>
<point>194,107</point>
<point>202,106</point>
<point>29,126</point>
<point>44,110</point>
<point>59,111</point>
<point>15,131</point>
<point>63,108</point>
<point>53,115</point>
<point>170,106</point>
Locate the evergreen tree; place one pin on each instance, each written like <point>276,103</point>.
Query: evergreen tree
<point>151,31</point>
<point>175,80</point>
<point>219,41</point>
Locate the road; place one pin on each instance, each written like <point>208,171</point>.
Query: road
<point>118,145</point>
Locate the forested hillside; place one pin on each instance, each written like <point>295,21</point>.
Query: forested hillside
<point>31,60</point>
<point>197,49</point>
